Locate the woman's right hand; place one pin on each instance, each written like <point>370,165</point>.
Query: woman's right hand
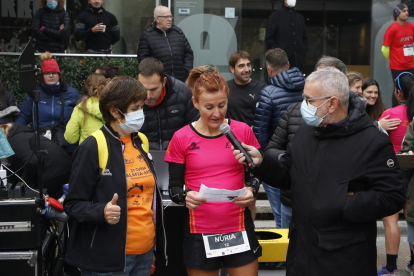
<point>388,124</point>
<point>112,212</point>
<point>192,200</point>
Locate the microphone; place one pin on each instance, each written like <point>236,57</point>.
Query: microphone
<point>225,129</point>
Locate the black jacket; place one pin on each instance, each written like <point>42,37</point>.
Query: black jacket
<point>174,112</point>
<point>171,48</point>
<point>93,243</point>
<point>288,125</point>
<point>56,163</point>
<point>285,89</point>
<point>51,39</point>
<point>286,30</point>
<point>100,40</point>
<point>7,100</point>
<point>329,228</point>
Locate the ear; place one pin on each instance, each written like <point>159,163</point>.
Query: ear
<point>333,104</point>
<point>231,69</point>
<point>114,112</point>
<point>269,70</point>
<point>288,65</point>
<point>195,103</point>
<point>164,82</point>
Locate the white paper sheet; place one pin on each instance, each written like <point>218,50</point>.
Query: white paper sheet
<point>220,195</point>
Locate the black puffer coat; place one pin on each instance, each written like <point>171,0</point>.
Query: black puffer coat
<point>7,100</point>
<point>171,48</point>
<point>175,111</point>
<point>288,125</point>
<point>331,228</point>
<point>51,38</point>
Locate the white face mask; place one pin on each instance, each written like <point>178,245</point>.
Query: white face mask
<point>308,112</point>
<point>133,121</point>
<point>291,3</point>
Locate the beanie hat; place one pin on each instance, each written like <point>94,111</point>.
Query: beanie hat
<point>49,64</point>
<point>398,9</point>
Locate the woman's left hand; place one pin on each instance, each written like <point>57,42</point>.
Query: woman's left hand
<point>245,200</point>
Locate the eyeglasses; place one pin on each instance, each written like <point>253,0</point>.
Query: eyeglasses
<point>51,74</point>
<point>315,99</point>
<point>166,16</point>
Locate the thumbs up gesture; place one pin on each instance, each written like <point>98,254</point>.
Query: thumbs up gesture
<point>112,212</point>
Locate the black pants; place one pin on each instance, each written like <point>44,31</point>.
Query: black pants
<point>395,74</point>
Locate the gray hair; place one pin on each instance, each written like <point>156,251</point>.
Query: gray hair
<point>158,9</point>
<point>327,61</point>
<point>332,83</point>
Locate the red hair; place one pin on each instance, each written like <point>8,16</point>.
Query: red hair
<point>201,81</point>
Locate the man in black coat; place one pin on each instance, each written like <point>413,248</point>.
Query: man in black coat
<point>168,106</point>
<point>286,30</point>
<point>98,28</point>
<point>166,42</point>
<point>343,175</point>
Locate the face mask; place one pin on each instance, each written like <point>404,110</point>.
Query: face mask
<point>51,4</point>
<point>308,112</point>
<point>133,121</point>
<point>5,148</point>
<point>291,3</point>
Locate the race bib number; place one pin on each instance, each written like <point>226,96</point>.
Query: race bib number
<point>408,50</point>
<point>225,244</point>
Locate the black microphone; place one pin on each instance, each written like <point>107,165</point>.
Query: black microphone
<point>225,129</point>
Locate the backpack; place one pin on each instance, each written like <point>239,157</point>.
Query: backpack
<point>103,147</point>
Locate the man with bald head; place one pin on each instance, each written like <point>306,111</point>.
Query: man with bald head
<point>167,43</point>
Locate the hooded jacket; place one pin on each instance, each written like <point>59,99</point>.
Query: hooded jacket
<point>285,88</point>
<point>171,48</point>
<point>49,105</point>
<point>329,228</point>
<point>94,244</point>
<point>78,129</point>
<point>51,39</point>
<point>286,30</point>
<point>175,111</point>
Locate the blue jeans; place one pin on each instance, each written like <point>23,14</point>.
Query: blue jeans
<point>273,195</point>
<point>286,214</point>
<point>136,265</point>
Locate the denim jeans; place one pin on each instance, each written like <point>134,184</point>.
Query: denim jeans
<point>273,195</point>
<point>136,265</point>
<point>286,214</point>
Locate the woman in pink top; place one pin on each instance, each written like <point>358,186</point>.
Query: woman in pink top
<point>403,85</point>
<point>199,154</point>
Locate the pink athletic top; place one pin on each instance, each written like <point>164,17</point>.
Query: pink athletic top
<point>397,135</point>
<point>210,161</point>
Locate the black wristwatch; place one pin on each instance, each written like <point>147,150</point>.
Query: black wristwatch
<point>254,183</point>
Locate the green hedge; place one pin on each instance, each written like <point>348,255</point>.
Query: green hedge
<point>74,69</point>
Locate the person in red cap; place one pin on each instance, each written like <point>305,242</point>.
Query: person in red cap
<point>53,92</point>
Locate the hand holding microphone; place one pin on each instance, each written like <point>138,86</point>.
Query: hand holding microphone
<point>225,129</point>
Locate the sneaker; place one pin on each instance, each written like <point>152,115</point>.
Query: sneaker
<point>385,272</point>
<point>410,268</point>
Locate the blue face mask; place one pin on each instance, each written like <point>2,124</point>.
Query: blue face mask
<point>5,148</point>
<point>51,4</point>
<point>308,112</point>
<point>133,121</point>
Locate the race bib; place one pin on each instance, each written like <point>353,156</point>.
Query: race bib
<point>408,50</point>
<point>225,244</point>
